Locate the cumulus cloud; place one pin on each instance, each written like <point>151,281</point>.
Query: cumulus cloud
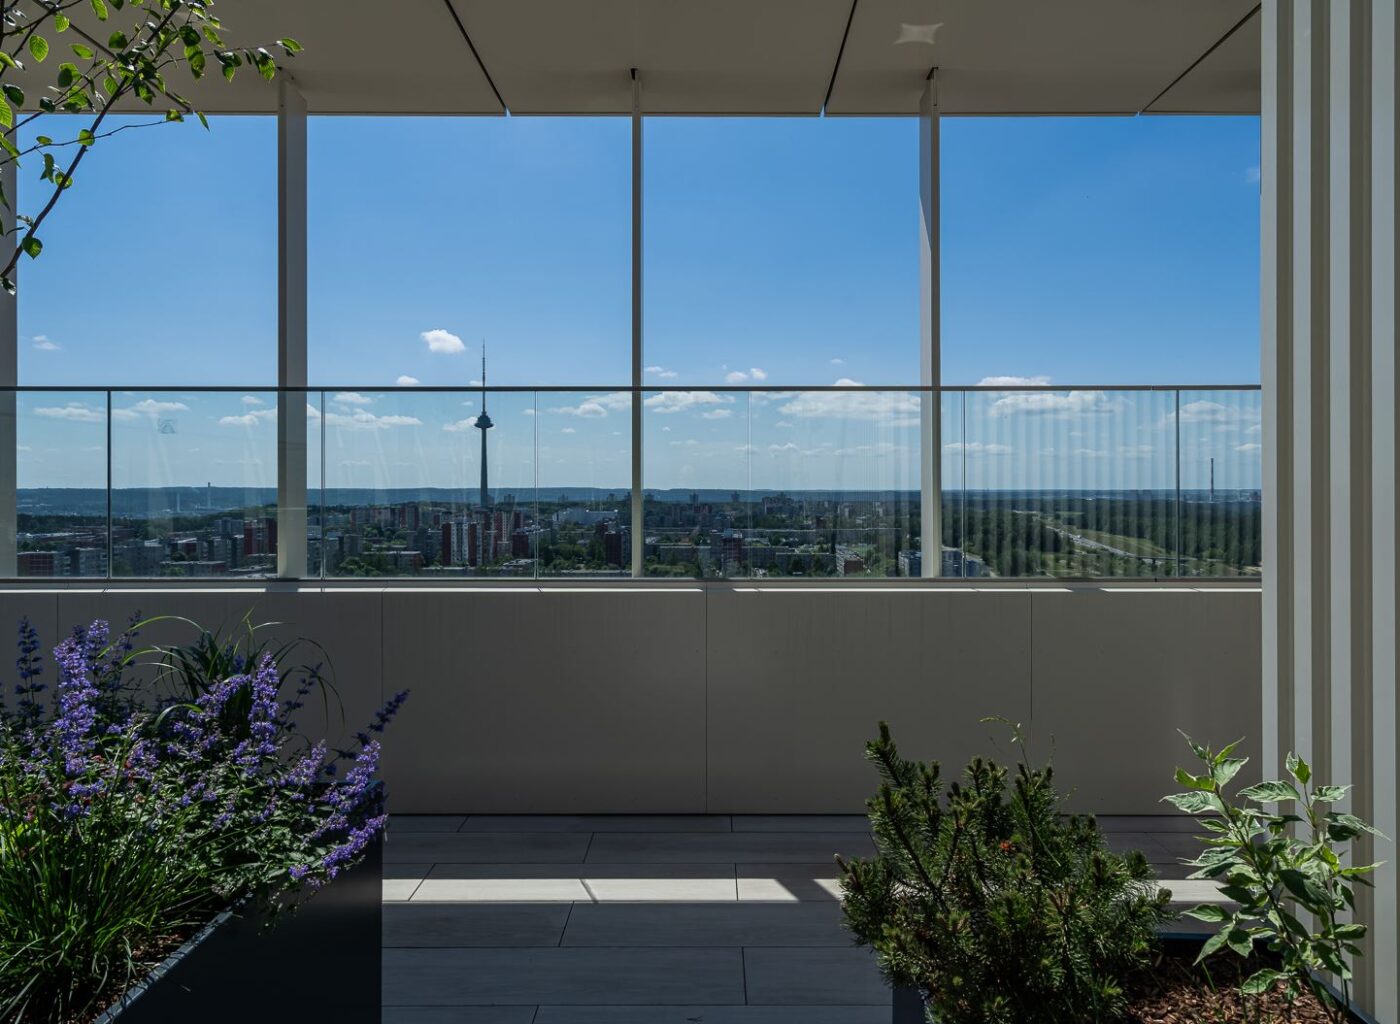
<point>890,408</point>
<point>568,430</point>
<point>363,419</point>
<point>1012,382</point>
<point>460,426</point>
<point>443,342</point>
<point>251,400</point>
<point>1067,405</point>
<point>680,401</point>
<point>597,406</point>
<point>1249,448</point>
<point>150,408</point>
<point>754,373</point>
<point>43,344</point>
<point>352,398</point>
<point>977,448</point>
<point>662,372</point>
<point>716,414</point>
<point>838,362</point>
<point>405,381</point>
<point>75,412</point>
<point>251,418</point>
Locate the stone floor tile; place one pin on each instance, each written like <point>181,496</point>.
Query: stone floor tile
<point>420,924</point>
<point>484,847</point>
<point>706,924</point>
<point>713,1014</point>
<point>736,847</point>
<point>597,823</point>
<point>789,882</point>
<point>817,977</point>
<point>567,976</point>
<point>457,1015</point>
<point>801,823</point>
<point>401,824</point>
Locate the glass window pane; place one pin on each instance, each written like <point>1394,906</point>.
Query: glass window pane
<point>61,464</point>
<point>1221,481</point>
<point>155,211</point>
<point>194,484</point>
<point>781,250</point>
<point>585,492</point>
<point>1100,251</point>
<point>509,232</point>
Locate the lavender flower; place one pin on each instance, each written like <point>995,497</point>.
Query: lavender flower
<point>77,715</point>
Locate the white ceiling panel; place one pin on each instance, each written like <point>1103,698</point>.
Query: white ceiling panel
<point>1225,82</point>
<point>1024,56</point>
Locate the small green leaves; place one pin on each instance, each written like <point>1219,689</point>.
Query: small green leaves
<point>82,52</point>
<point>61,22</point>
<point>67,74</point>
<point>1208,912</point>
<point>1262,981</point>
<point>100,9</point>
<point>1270,792</point>
<point>32,247</point>
<point>7,116</point>
<point>290,46</point>
<point>38,47</point>
<point>1299,769</point>
<point>86,138</point>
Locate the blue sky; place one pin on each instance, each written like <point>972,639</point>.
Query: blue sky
<point>1075,251</point>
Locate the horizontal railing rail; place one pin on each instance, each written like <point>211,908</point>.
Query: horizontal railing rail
<point>1140,481</point>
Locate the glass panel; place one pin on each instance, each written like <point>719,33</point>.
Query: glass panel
<point>696,478</point>
<point>781,250</point>
<point>834,484</point>
<point>1130,246</point>
<point>315,493</point>
<point>61,464</point>
<point>1221,479</point>
<point>1071,483</point>
<point>585,497</point>
<point>194,484</point>
<point>514,233</point>
<point>405,493</point>
<point>955,561</point>
<point>79,322</point>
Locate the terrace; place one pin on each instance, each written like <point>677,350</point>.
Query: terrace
<point>656,533</point>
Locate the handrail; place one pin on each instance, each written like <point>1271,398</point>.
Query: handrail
<point>579,388</point>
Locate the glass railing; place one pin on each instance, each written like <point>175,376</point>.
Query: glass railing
<point>737,483</point>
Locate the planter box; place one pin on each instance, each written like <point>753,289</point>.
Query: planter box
<point>321,963</point>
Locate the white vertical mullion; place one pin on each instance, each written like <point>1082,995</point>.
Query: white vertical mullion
<point>291,329</point>
<point>1385,932</point>
<point>9,378</point>
<point>930,348</point>
<point>638,553</point>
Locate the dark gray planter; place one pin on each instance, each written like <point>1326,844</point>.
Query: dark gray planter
<point>321,963</point>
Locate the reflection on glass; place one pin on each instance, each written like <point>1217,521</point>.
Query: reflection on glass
<point>585,498</point>
<point>406,491</point>
<point>61,466</point>
<point>194,484</point>
<point>1221,470</point>
<point>1069,484</point>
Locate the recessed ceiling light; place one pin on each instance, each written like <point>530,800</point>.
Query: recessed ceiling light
<point>918,33</point>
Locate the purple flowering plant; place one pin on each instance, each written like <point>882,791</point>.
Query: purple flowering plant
<point>133,810</point>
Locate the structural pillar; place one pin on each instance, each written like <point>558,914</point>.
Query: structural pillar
<point>291,329</point>
<point>930,347</point>
<point>638,497</point>
<point>9,379</point>
<point>1328,321</point>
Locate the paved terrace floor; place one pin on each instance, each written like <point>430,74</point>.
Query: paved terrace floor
<point>711,919</point>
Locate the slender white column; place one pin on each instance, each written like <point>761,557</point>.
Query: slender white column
<point>291,329</point>
<point>638,498</point>
<point>930,348</point>
<point>9,377</point>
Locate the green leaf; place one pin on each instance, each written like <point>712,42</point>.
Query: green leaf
<point>7,116</point>
<point>86,138</point>
<point>1227,769</point>
<point>100,9</point>
<point>32,247</point>
<point>66,74</point>
<point>1331,794</point>
<point>61,22</point>
<point>1298,768</point>
<point>1202,782</point>
<point>1240,941</point>
<point>1208,912</point>
<point>1303,888</point>
<point>1213,944</point>
<point>1270,792</point>
<point>38,47</point>
<point>1261,981</point>
<point>82,52</point>
<point>1195,802</point>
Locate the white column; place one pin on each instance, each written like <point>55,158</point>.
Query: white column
<point>930,347</point>
<point>9,377</point>
<point>638,498</point>
<point>291,329</point>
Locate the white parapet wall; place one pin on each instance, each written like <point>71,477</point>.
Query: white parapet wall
<point>744,698</point>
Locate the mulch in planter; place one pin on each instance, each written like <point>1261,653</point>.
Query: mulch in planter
<point>1175,992</point>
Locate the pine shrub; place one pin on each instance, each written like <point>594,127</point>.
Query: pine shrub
<point>992,902</point>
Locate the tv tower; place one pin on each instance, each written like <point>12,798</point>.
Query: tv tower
<point>483,424</point>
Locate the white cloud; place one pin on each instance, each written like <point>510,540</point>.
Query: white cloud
<point>758,374</point>
<point>1012,382</point>
<point>568,430</point>
<point>443,342</point>
<point>363,419</point>
<point>352,398</point>
<point>1251,175</point>
<point>662,372</point>
<point>405,381</point>
<point>1060,405</point>
<point>736,377</point>
<point>838,362</point>
<point>43,344</point>
<point>313,411</point>
<point>789,447</point>
<point>149,407</point>
<point>598,406</point>
<point>890,408</point>
<point>459,427</point>
<point>716,414</point>
<point>1249,448</point>
<point>977,448</point>
<point>76,412</point>
<point>251,400</point>
<point>1254,429</point>
<point>680,401</point>
<point>251,418</point>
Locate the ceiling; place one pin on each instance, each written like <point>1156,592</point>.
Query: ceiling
<point>847,57</point>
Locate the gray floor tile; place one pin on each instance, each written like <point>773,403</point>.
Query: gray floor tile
<point>789,882</point>
<point>801,823</point>
<point>457,1015</point>
<point>400,824</point>
<point>597,823</point>
<point>818,977</point>
<point>706,924</point>
<point>713,1015</point>
<point>583,882</point>
<point>575,977</point>
<point>736,847</point>
<point>479,924</point>
<point>398,889</point>
<point>485,847</point>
